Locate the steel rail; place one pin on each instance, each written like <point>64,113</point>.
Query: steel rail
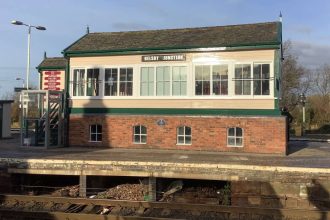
<point>303,213</point>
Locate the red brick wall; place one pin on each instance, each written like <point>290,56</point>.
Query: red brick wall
<point>260,134</point>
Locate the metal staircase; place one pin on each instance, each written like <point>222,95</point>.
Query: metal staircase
<point>44,128</point>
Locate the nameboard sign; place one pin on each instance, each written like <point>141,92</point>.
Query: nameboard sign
<point>168,57</point>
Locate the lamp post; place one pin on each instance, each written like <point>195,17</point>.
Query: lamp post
<point>41,28</point>
<point>302,100</point>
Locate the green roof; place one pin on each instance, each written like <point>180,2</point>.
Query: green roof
<point>53,63</point>
<point>268,33</point>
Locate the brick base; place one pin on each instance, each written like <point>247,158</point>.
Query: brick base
<point>260,134</point>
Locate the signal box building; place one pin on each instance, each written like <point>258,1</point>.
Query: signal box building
<point>208,88</point>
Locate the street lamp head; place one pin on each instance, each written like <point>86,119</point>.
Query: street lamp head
<point>17,22</point>
<point>41,28</point>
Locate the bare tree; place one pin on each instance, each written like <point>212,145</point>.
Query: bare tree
<point>295,78</point>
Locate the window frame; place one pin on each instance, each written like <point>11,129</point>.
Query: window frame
<point>140,134</point>
<point>97,134</point>
<point>211,80</point>
<point>235,137</point>
<point>155,66</point>
<point>184,135</point>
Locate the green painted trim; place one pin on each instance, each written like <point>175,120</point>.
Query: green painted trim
<point>51,68</point>
<point>67,77</point>
<point>168,111</point>
<point>271,45</point>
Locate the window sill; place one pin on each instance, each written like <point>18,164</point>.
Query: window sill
<point>235,146</point>
<point>95,141</point>
<point>139,143</point>
<point>183,144</point>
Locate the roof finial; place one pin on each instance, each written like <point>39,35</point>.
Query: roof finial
<point>280,17</point>
<point>87,30</point>
<point>45,55</point>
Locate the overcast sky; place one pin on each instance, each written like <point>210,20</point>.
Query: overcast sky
<point>305,23</point>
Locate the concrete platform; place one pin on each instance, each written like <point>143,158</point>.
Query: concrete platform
<point>306,161</point>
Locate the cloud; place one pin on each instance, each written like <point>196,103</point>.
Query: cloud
<point>300,30</point>
<point>129,26</point>
<point>310,54</point>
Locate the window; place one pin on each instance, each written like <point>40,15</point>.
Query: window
<point>147,81</point>
<point>243,79</point>
<point>126,82</point>
<point>202,80</point>
<point>110,82</point>
<point>93,82</point>
<point>220,79</point>
<point>163,81</point>
<point>261,79</point>
<point>78,84</point>
<point>211,80</point>
<point>184,135</point>
<point>179,77</point>
<point>95,133</point>
<point>140,134</point>
<point>235,137</point>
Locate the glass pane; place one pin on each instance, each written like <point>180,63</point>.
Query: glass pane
<point>176,73</point>
<point>151,88</point>
<point>144,89</point>
<point>183,73</point>
<point>176,88</point>
<point>144,74</point>
<point>238,87</point>
<point>160,73</point>
<point>99,137</point>
<point>143,139</point>
<point>257,71</point>
<point>216,88</point>
<point>238,71</point>
<point>265,71</point>
<point>160,88</point>
<point>93,137</point>
<point>198,88</point>
<point>180,140</point>
<point>99,128</point>
<point>246,87</point>
<point>216,72</point>
<point>239,132</point>
<point>239,141</point>
<point>188,139</point>
<point>167,74</point>
<point>122,74</point>
<point>129,88</point>
<point>231,131</point>
<point>93,128</point>
<point>136,138</point>
<point>183,88</point>
<point>167,88</point>
<point>188,130</point>
<point>129,74</point>
<point>151,74</point>
<point>246,71</point>
<point>143,130</point>
<point>265,87</point>
<point>114,89</point>
<point>198,73</point>
<point>181,130</point>
<point>206,72</point>
<point>231,141</point>
<point>257,87</point>
<point>137,129</point>
<point>206,88</point>
<point>122,89</point>
<point>224,88</point>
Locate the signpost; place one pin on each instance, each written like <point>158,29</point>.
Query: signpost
<point>52,80</point>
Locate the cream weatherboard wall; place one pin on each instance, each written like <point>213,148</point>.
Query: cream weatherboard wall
<point>229,101</point>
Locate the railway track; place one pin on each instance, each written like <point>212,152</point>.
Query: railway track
<point>20,207</point>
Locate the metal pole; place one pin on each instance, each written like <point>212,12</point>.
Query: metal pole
<point>304,115</point>
<point>28,59</point>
